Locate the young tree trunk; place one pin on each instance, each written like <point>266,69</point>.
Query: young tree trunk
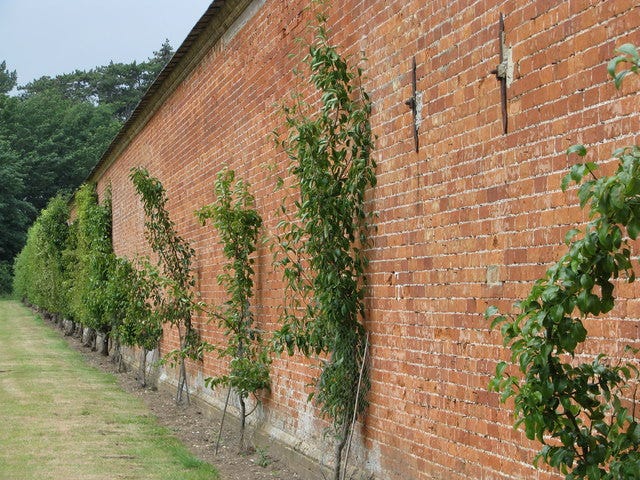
<point>243,407</point>
<point>68,327</point>
<point>142,374</point>
<point>243,418</point>
<point>87,337</point>
<point>104,350</point>
<point>182,384</point>
<point>342,440</point>
<point>117,355</point>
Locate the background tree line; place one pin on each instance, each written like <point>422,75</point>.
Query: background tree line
<point>53,132</point>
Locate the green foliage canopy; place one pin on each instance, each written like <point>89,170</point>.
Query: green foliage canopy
<point>53,134</point>
<point>118,86</point>
<point>8,79</point>
<point>131,292</point>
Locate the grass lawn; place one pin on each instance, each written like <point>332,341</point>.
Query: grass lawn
<point>62,419</point>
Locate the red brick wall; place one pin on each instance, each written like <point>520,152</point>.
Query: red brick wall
<point>469,221</point>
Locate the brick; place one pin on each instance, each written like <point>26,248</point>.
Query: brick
<point>471,201</point>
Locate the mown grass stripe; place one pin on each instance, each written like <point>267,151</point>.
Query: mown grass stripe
<point>63,419</point>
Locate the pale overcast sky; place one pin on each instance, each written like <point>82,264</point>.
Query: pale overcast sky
<point>50,37</point>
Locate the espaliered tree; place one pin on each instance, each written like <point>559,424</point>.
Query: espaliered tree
<point>238,224</point>
<point>583,414</point>
<point>323,237</point>
<point>93,263</point>
<point>176,302</point>
<point>41,272</point>
<point>132,291</point>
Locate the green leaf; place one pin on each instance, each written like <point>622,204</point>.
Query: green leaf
<point>629,49</point>
<point>570,235</point>
<point>500,368</point>
<point>557,313</point>
<point>583,300</point>
<point>633,227</point>
<point>587,282</point>
<point>499,319</point>
<point>549,294</point>
<point>579,149</point>
<point>603,235</point>
<point>577,172</point>
<point>585,192</point>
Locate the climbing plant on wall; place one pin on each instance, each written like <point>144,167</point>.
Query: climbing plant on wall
<point>584,414</point>
<point>323,237</point>
<point>238,224</point>
<point>177,302</point>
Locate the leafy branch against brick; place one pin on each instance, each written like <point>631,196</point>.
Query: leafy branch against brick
<point>238,224</point>
<point>583,414</point>
<point>177,302</point>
